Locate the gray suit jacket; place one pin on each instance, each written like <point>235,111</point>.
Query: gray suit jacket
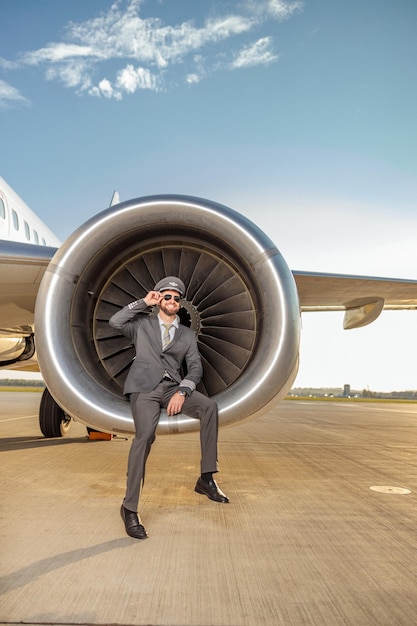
<point>151,361</point>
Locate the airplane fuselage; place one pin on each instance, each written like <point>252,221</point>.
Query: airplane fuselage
<point>19,223</point>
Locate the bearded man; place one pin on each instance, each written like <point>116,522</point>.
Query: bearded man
<point>154,381</point>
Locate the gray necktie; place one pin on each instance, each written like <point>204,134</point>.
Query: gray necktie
<point>166,338</point>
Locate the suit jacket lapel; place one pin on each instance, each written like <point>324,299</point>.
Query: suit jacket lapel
<point>178,333</point>
<point>156,331</point>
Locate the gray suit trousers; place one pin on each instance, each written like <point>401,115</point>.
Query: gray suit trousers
<point>146,408</point>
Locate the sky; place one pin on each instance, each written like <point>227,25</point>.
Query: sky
<point>301,115</point>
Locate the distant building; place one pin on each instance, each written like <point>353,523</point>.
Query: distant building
<point>346,391</point>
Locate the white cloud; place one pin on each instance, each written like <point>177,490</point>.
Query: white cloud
<point>276,9</point>
<point>75,74</point>
<point>8,65</point>
<point>105,88</point>
<point>57,52</point>
<point>258,53</point>
<point>9,95</point>
<point>282,10</point>
<point>130,79</point>
<point>192,79</point>
<point>153,48</point>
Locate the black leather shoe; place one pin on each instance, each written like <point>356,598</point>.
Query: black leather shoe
<point>133,524</point>
<point>211,490</point>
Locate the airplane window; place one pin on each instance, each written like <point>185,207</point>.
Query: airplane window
<point>2,209</point>
<point>27,231</point>
<point>36,236</point>
<point>15,219</point>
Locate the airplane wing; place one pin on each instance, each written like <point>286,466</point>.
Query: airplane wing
<point>21,269</point>
<point>361,297</point>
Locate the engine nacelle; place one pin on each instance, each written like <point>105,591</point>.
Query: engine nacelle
<point>14,350</point>
<point>241,300</point>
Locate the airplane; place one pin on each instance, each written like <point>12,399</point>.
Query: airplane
<point>242,300</point>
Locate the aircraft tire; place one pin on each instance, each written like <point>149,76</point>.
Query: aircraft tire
<point>53,420</point>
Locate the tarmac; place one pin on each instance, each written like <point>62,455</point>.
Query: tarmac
<point>320,528</point>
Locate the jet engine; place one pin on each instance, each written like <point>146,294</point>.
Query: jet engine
<point>241,300</point>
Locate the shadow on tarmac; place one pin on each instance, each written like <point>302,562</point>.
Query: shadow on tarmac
<point>31,572</point>
<point>25,443</point>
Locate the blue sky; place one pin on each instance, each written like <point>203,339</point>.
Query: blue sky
<point>300,115</point>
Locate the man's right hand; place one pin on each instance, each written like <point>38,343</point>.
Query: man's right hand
<point>153,297</point>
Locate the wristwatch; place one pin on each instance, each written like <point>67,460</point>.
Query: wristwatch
<point>182,393</point>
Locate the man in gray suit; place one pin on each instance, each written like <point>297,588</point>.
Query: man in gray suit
<point>162,344</point>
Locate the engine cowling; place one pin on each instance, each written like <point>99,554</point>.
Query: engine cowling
<point>241,300</point>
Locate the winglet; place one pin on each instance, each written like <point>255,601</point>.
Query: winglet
<point>114,199</point>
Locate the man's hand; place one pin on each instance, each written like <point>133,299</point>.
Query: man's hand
<point>153,297</point>
<point>175,404</point>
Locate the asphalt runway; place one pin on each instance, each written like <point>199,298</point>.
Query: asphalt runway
<point>321,528</point>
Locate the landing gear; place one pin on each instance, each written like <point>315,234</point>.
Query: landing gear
<point>53,420</point>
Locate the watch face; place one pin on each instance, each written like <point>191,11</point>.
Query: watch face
<point>182,393</point>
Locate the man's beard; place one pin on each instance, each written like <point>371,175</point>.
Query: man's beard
<point>171,311</point>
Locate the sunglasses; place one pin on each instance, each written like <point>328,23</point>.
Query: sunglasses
<point>168,296</point>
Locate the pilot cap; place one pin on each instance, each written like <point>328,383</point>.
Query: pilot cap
<point>171,283</point>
